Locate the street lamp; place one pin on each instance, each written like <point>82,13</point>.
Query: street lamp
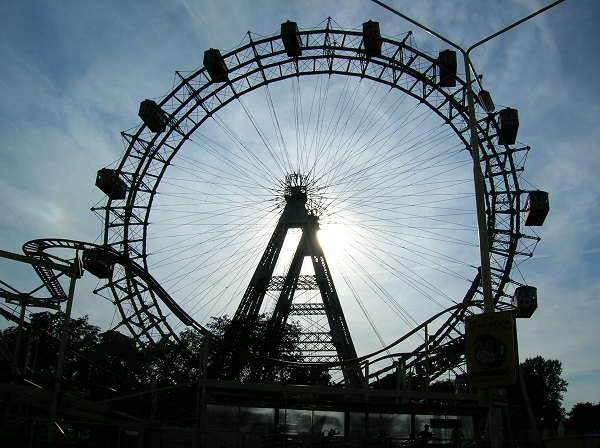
<point>488,300</point>
<point>486,277</point>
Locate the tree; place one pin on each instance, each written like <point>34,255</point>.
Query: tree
<point>584,417</point>
<point>110,359</point>
<point>224,363</point>
<point>545,388</point>
<point>39,347</point>
<point>117,362</point>
<point>169,362</point>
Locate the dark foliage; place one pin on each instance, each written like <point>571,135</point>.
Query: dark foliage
<point>95,356</point>
<point>111,364</point>
<point>584,417</point>
<point>240,366</point>
<point>545,387</point>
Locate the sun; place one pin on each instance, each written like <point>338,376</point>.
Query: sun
<point>333,240</point>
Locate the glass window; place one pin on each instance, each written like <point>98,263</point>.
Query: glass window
<point>221,418</point>
<point>420,422</point>
<point>395,425</point>
<point>442,425</point>
<point>356,424</point>
<point>392,425</point>
<point>258,420</point>
<point>296,421</point>
<point>327,421</point>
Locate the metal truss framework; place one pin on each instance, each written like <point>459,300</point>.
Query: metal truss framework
<point>257,63</point>
<point>335,336</point>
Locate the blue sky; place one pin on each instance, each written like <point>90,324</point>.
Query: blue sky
<point>74,73</point>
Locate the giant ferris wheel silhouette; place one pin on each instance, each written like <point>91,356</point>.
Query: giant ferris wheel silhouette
<point>320,177</point>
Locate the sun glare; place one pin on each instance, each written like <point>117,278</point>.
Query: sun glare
<point>332,239</point>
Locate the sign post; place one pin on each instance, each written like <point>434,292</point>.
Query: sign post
<point>491,350</point>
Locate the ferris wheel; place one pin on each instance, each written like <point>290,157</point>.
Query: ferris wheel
<point>321,177</point>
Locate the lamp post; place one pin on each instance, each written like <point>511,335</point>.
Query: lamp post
<point>75,272</point>
<point>477,173</point>
<point>495,421</point>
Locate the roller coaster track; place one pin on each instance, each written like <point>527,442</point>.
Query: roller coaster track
<point>438,352</point>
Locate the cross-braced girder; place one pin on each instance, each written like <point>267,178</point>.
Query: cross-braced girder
<point>294,216</point>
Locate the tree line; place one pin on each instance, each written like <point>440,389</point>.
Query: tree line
<point>111,363</point>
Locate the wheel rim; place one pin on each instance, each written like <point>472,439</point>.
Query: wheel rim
<point>406,163</point>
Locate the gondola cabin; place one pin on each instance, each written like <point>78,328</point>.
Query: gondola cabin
<point>95,263</point>
<point>525,301</point>
<point>291,39</point>
<point>215,65</point>
<point>153,116</point>
<point>508,125</point>
<point>111,184</point>
<point>447,68</point>
<point>485,99</point>
<point>372,38</point>
<point>536,209</point>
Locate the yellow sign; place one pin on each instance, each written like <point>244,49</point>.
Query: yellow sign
<point>490,350</point>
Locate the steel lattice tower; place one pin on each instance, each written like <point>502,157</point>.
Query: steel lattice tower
<point>330,341</point>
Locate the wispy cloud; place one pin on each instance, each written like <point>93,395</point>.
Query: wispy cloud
<point>74,73</point>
